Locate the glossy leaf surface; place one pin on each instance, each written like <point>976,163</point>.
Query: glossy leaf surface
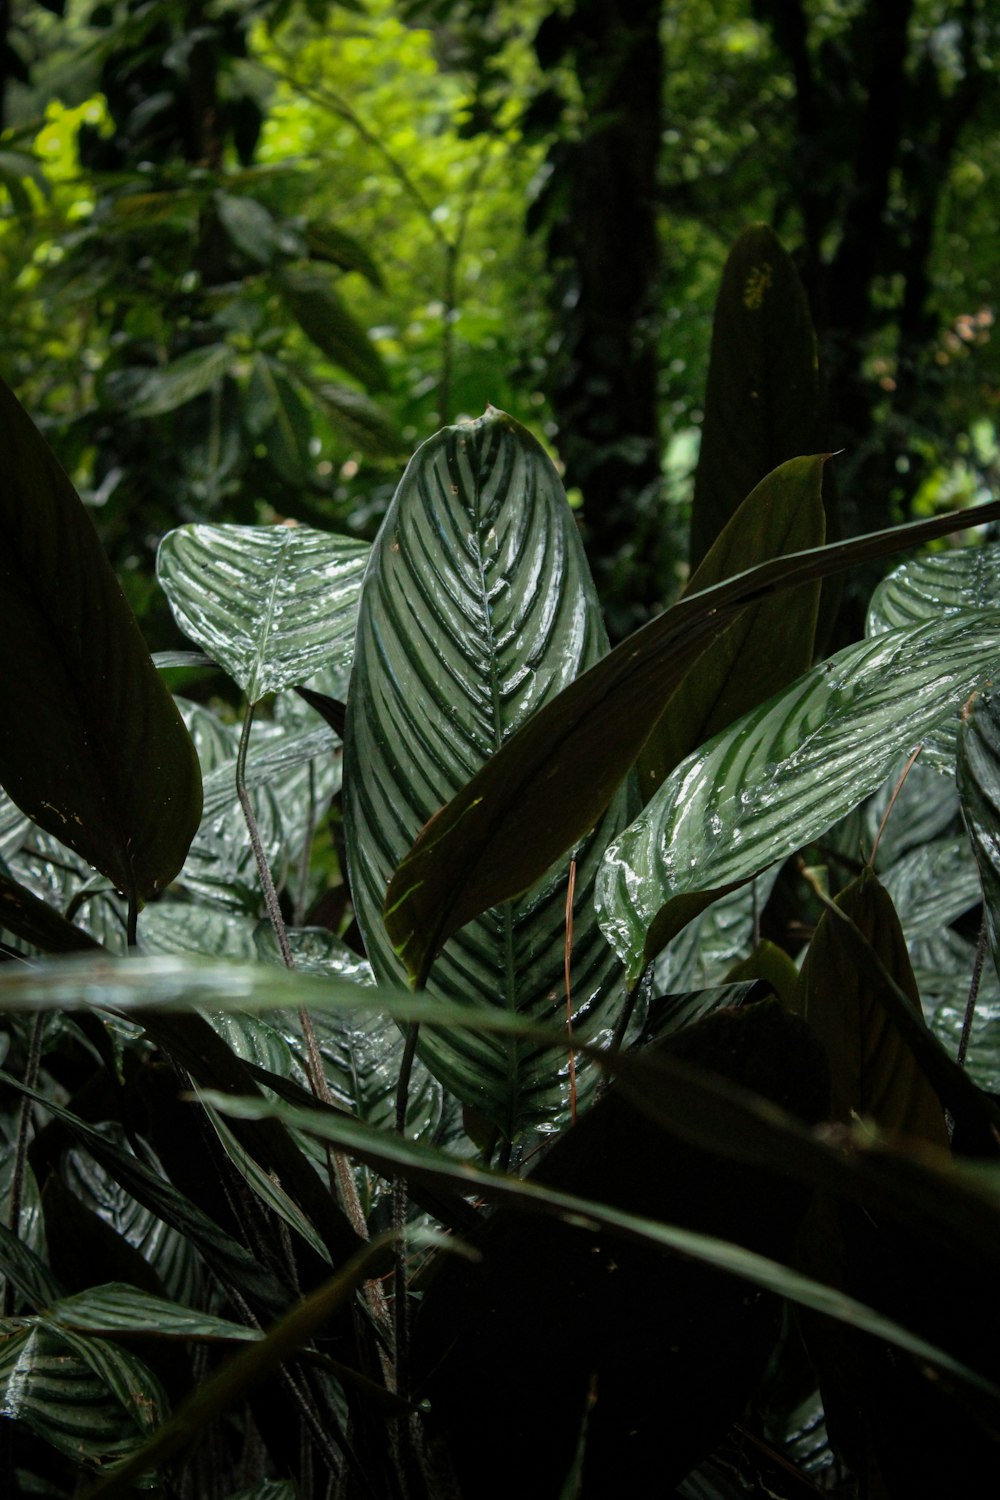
<point>96,752</point>
<point>477,608</point>
<point>69,1391</point>
<point>943,583</point>
<point>762,400</point>
<point>271,604</point>
<point>550,783</point>
<point>785,773</point>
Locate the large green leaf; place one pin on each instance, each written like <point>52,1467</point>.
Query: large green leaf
<point>477,607</point>
<point>784,774</point>
<point>770,643</point>
<point>91,745</point>
<point>28,918</point>
<point>551,781</point>
<point>167,387</point>
<point>762,400</point>
<point>271,604</point>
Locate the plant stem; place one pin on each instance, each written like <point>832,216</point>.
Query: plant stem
<point>338,1165</point>
<point>399,1207</point>
<point>970,1004</point>
<point>266,880</point>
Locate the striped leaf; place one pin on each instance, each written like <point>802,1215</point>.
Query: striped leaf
<point>785,773</point>
<point>944,583</point>
<point>69,1391</point>
<point>478,607</point>
<point>271,604</point>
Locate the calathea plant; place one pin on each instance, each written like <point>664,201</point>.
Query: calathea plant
<point>225,1130</point>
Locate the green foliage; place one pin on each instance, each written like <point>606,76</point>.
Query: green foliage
<point>243,1159</point>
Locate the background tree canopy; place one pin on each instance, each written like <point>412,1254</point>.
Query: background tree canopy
<point>252,253</point>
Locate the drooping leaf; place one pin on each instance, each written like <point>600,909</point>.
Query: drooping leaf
<point>323,315</point>
<point>271,604</point>
<point>96,752</point>
<point>167,387</point>
<point>785,773</point>
<point>875,1075</point>
<point>762,401</point>
<point>477,608</point>
<point>27,1271</point>
<point>771,643</point>
<point>506,827</point>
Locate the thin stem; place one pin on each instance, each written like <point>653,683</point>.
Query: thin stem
<point>337,1164</point>
<point>892,803</point>
<point>263,869</point>
<point>399,1207</point>
<point>970,1004</point>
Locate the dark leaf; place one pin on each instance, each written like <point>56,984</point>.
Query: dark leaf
<point>96,752</point>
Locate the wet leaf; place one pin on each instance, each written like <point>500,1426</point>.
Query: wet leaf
<point>478,607</point>
<point>551,781</point>
<point>784,774</point>
<point>271,604</point>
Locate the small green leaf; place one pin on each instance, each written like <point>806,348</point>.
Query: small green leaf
<point>166,388</point>
<point>96,752</point>
<point>784,774</point>
<point>762,400</point>
<point>322,315</point>
<point>271,604</point>
<point>249,225</point>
